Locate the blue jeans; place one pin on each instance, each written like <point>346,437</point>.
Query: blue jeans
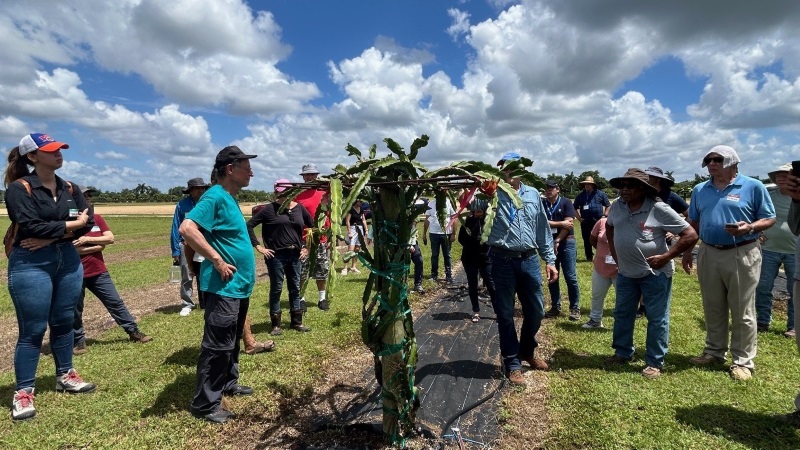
<point>565,264</point>
<point>770,264</point>
<point>523,277</point>
<point>656,292</point>
<point>440,242</point>
<point>44,287</point>
<point>105,291</point>
<point>285,264</point>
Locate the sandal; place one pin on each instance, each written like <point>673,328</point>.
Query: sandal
<point>476,318</point>
<point>260,347</point>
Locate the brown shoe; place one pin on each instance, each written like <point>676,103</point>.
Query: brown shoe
<point>741,373</point>
<point>138,336</point>
<point>705,360</point>
<point>516,378</point>
<point>80,348</point>
<point>260,347</point>
<point>651,372</point>
<point>537,364</point>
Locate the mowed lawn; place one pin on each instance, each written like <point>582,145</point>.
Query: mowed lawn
<point>144,390</point>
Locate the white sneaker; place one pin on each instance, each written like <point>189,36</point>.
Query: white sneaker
<point>344,271</point>
<point>186,310</point>
<point>72,382</point>
<point>354,270</point>
<point>22,405</point>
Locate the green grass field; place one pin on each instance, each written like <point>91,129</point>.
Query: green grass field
<point>144,390</point>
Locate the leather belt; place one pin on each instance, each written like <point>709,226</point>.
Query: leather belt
<point>731,246</point>
<point>512,253</point>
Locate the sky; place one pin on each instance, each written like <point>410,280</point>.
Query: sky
<point>148,91</point>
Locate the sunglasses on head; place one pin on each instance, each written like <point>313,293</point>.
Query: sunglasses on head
<point>716,159</point>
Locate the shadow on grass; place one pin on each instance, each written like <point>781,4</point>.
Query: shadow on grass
<point>577,326</point>
<point>754,430</point>
<point>321,417</point>
<point>43,384</point>
<point>169,309</point>
<point>175,396</point>
<point>187,356</point>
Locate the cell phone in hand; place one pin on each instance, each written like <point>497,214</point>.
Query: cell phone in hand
<point>796,168</point>
<point>731,225</point>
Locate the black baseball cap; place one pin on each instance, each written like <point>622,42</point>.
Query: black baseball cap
<point>230,154</point>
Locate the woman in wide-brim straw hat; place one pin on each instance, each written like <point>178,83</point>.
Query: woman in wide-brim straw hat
<point>637,226</point>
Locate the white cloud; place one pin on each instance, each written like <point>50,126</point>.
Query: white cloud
<point>460,24</point>
<point>110,154</point>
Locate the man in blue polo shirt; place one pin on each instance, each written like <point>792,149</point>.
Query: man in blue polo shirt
<point>517,235</point>
<point>560,214</point>
<point>728,212</point>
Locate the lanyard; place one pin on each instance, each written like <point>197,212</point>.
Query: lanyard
<point>552,209</point>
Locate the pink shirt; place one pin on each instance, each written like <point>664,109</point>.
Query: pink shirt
<point>603,253</point>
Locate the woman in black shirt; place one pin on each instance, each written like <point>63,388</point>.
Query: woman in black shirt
<point>45,275</point>
<point>283,249</point>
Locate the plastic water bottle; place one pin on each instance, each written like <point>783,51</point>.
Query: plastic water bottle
<point>175,274</point>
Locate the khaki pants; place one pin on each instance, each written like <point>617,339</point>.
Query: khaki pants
<point>728,280</point>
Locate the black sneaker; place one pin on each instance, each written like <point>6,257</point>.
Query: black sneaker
<point>552,312</point>
<point>762,327</point>
<point>575,314</point>
<point>418,289</point>
<point>324,305</point>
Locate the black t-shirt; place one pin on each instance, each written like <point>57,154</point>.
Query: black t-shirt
<point>558,212</point>
<point>39,215</point>
<point>280,231</point>
<point>356,217</point>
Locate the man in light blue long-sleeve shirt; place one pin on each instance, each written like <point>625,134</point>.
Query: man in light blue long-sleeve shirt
<point>517,236</point>
<point>194,189</point>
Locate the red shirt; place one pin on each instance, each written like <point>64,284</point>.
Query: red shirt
<point>93,263</point>
<point>310,199</point>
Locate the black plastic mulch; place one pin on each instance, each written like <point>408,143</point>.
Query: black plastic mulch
<point>458,366</point>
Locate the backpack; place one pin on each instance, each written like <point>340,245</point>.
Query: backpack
<point>11,232</point>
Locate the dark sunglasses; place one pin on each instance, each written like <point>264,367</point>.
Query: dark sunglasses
<point>716,159</point>
<point>629,184</point>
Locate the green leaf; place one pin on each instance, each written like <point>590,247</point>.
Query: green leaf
<point>416,145</point>
<point>353,151</point>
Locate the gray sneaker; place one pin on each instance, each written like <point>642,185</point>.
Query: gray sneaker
<point>575,314</point>
<point>593,324</point>
<point>71,382</point>
<point>22,405</point>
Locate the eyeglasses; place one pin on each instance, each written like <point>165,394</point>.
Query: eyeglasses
<point>716,159</point>
<point>629,184</point>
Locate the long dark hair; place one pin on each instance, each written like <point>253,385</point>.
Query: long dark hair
<point>17,166</point>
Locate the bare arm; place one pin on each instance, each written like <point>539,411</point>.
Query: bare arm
<point>193,237</point>
<point>688,260</point>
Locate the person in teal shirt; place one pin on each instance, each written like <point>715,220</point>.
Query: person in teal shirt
<point>216,229</point>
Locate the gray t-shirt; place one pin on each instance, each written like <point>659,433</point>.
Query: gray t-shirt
<point>642,233</point>
<point>780,238</point>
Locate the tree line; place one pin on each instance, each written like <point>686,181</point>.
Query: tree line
<point>569,184</point>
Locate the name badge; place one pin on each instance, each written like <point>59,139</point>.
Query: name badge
<point>732,197</point>
<point>73,213</point>
<point>585,207</point>
<point>610,260</point>
<point>95,229</point>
